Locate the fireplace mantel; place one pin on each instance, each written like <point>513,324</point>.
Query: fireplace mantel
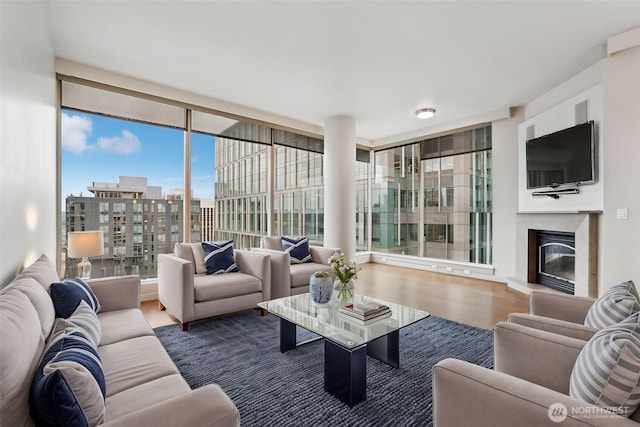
<point>585,226</point>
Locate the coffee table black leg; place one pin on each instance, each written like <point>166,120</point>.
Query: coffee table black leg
<point>345,372</point>
<point>287,335</point>
<point>386,349</point>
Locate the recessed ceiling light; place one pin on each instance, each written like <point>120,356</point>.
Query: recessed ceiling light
<point>425,113</point>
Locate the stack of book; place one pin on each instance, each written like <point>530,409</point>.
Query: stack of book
<point>365,311</point>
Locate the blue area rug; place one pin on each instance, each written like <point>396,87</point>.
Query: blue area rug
<point>241,353</point>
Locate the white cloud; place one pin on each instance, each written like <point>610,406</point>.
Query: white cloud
<point>75,132</point>
<point>126,144</point>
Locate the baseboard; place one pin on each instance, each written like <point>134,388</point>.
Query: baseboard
<point>149,287</point>
<point>456,268</point>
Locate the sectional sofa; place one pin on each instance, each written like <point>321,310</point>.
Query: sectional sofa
<point>142,386</point>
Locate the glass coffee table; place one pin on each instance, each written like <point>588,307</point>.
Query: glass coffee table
<point>347,341</point>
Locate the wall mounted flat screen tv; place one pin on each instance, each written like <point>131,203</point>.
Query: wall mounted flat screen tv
<point>562,158</point>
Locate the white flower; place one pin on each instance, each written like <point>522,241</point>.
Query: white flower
<point>344,270</point>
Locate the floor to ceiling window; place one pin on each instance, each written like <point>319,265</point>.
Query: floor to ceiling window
<point>433,198</point>
<point>298,205</point>
<point>241,188</point>
<point>123,172</point>
<point>140,204</point>
<point>395,205</point>
<point>122,178</point>
<point>456,178</point>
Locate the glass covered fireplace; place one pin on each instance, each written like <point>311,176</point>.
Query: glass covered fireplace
<point>556,254</point>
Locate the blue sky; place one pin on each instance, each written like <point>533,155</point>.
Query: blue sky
<point>100,149</point>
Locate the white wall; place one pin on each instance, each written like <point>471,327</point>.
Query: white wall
<point>28,209</point>
<point>620,239</point>
<point>613,87</point>
<point>562,116</point>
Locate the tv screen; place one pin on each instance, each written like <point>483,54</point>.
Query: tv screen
<point>563,157</point>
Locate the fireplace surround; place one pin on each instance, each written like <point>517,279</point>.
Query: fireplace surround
<point>582,224</point>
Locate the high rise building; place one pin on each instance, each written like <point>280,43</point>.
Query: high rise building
<point>138,223</point>
<point>242,183</point>
<point>207,218</point>
<point>434,198</point>
<point>430,199</point>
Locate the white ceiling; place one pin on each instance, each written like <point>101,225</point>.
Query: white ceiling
<point>375,61</point>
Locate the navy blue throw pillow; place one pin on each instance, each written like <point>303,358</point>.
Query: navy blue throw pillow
<point>298,249</point>
<point>69,387</point>
<point>218,257</point>
<point>67,295</point>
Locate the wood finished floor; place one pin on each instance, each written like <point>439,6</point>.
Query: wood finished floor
<point>476,302</point>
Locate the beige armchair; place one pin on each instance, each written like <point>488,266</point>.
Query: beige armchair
<point>557,312</point>
<point>191,296</point>
<point>292,279</point>
<point>532,372</point>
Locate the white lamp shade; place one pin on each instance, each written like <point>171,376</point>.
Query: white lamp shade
<point>85,244</point>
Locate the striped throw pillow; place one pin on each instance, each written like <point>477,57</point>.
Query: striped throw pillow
<point>218,257</point>
<point>69,387</point>
<point>83,320</point>
<point>298,249</point>
<point>67,295</point>
<point>607,371</point>
<point>618,302</point>
<point>627,287</point>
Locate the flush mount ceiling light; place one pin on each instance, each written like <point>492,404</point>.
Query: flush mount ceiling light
<point>425,113</point>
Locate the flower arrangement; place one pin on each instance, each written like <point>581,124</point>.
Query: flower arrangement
<point>344,271</point>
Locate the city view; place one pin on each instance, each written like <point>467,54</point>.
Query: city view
<point>428,199</point>
<point>95,146</point>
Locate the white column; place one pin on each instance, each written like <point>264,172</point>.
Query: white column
<point>340,184</point>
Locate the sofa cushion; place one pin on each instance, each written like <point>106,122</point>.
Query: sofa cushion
<point>43,271</point>
<point>607,371</point>
<point>198,258</point>
<point>21,345</point>
<point>135,361</point>
<point>120,325</point>
<point>616,304</point>
<point>145,395</point>
<point>272,242</point>
<point>215,287</point>
<point>67,295</point>
<point>298,249</point>
<point>218,257</point>
<point>38,297</point>
<point>192,252</point>
<point>184,251</point>
<point>69,386</point>
<point>301,273</point>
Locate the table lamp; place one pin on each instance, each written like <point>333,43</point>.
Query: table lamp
<point>84,244</point>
